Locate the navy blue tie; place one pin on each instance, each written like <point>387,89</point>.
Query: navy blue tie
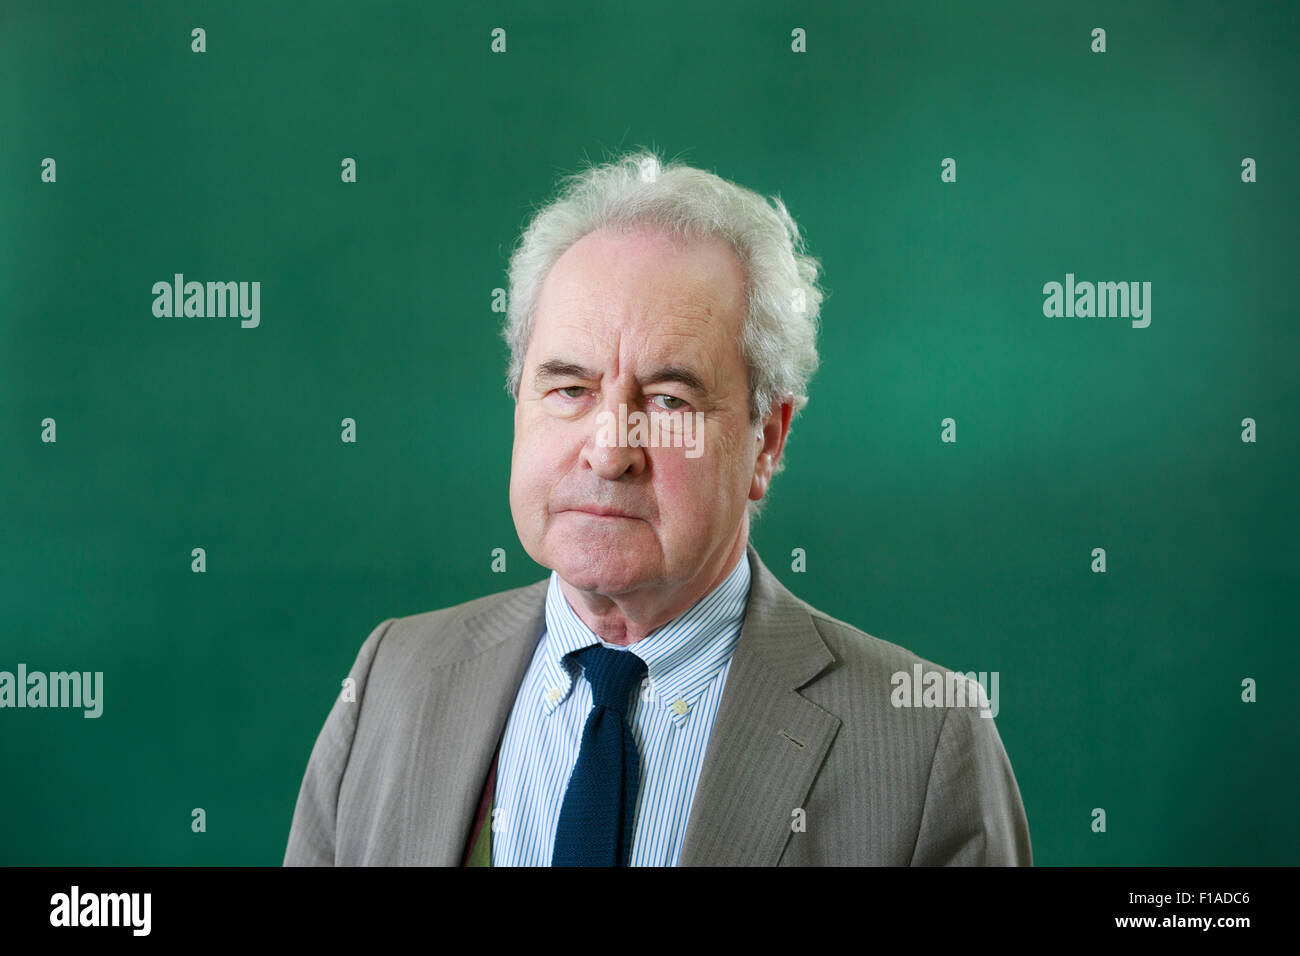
<point>596,818</point>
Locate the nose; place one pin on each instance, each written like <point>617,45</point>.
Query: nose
<point>608,451</point>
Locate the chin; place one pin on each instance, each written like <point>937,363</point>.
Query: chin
<point>615,565</point>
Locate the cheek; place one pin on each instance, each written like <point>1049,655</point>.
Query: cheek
<point>735,471</point>
<point>694,492</point>
<point>524,465</point>
<point>528,477</point>
<point>536,464</point>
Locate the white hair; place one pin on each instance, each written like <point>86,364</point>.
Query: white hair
<point>784,299</point>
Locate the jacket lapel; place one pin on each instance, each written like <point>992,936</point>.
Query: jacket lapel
<point>768,742</point>
<point>471,690</point>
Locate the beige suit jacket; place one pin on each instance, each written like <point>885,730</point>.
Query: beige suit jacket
<point>809,762</point>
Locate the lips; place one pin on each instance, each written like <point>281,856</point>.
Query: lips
<point>602,512</point>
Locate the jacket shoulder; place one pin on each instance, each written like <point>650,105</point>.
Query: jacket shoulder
<point>442,636</point>
<point>869,674</point>
<point>855,647</point>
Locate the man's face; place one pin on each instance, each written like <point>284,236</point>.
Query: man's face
<point>632,320</point>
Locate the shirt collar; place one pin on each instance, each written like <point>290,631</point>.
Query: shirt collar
<point>682,657</point>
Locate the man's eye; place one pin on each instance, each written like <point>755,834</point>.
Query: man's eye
<point>681,403</point>
<point>568,388</point>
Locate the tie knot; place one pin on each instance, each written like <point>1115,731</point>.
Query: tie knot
<point>613,675</point>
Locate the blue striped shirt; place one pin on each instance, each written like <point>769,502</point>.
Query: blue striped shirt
<point>671,718</point>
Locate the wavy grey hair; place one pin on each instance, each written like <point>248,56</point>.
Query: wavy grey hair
<point>779,341</point>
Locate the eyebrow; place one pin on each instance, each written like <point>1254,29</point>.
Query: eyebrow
<point>558,368</point>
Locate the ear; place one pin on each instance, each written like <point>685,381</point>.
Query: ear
<point>768,445</point>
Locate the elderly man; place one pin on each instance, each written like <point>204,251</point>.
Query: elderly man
<point>661,699</point>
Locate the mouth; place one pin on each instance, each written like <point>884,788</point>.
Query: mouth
<point>608,513</point>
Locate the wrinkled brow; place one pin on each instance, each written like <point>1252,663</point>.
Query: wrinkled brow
<point>558,368</point>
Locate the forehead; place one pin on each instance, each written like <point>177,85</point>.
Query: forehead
<point>643,290</point>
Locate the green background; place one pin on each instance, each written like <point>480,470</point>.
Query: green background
<point>1119,690</point>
